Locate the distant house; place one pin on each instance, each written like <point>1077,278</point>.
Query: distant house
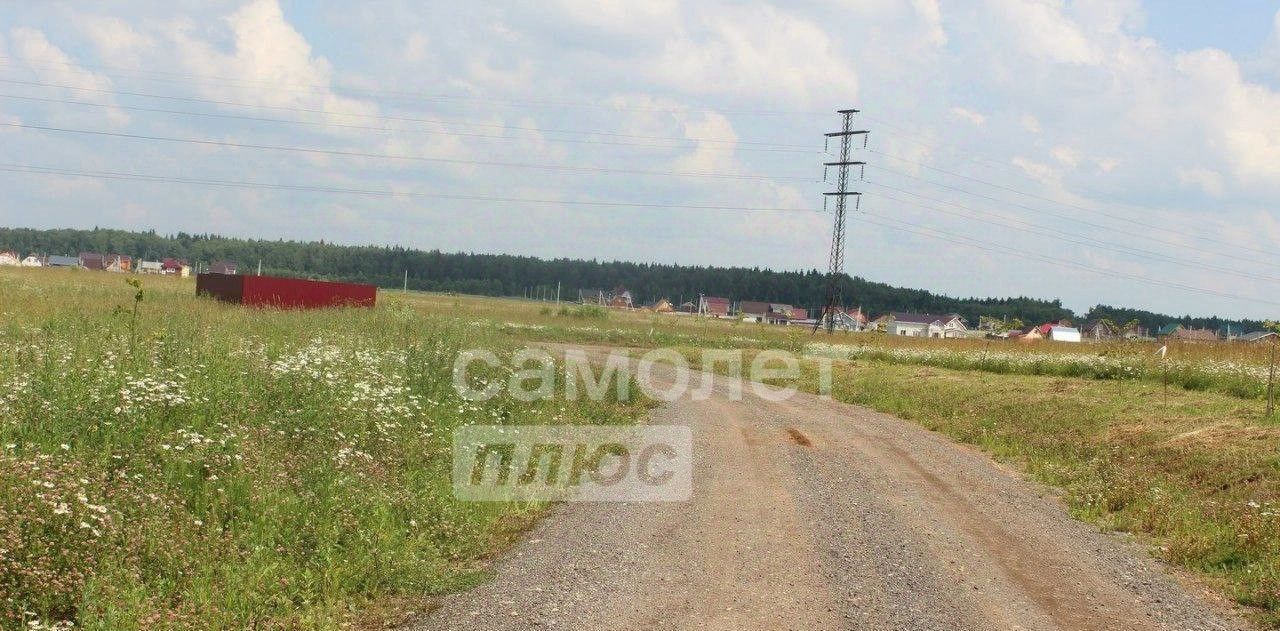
<point>753,310</point>
<point>713,306</point>
<point>620,298</point>
<point>1168,329</point>
<point>150,267</point>
<point>62,261</point>
<point>1102,330</point>
<point>117,263</point>
<point>926,325</point>
<point>9,257</point>
<point>1064,334</point>
<point>175,267</point>
<point>93,260</point>
<point>33,261</point>
<point>592,297</point>
<point>767,312</point>
<point>881,323</point>
<point>1258,336</point>
<point>845,320</point>
<point>1097,330</point>
<point>1047,327</point>
<point>798,313</point>
<point>222,267</point>
<point>663,306</point>
<point>1194,335</point>
<point>1029,334</point>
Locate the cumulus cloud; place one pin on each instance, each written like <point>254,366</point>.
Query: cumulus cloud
<point>272,63</point>
<point>1065,156</point>
<point>968,115</point>
<point>1245,117</point>
<point>1037,170</point>
<point>931,15</point>
<point>416,47</point>
<point>33,50</point>
<point>116,40</point>
<point>1030,123</point>
<point>758,52</point>
<point>1207,181</point>
<point>1041,28</point>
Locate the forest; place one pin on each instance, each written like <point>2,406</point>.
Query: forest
<point>510,275</point>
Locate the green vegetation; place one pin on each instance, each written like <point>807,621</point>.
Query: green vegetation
<point>505,275</point>
<point>168,462</point>
<point>1196,473</point>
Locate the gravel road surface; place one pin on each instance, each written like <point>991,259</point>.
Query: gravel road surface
<point>812,514</point>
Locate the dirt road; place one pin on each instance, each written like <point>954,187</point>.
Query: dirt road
<point>811,514</point>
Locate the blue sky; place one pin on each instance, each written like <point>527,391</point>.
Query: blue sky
<point>1097,151</point>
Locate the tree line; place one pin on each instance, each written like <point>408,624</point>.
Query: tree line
<point>510,275</point>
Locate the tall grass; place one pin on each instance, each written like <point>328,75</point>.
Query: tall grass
<point>1236,368</point>
<point>209,466</point>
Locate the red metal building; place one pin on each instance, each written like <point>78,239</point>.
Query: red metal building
<point>284,293</point>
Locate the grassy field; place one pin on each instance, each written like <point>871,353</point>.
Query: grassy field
<point>1194,474</point>
<point>1193,469</point>
<point>207,466</point>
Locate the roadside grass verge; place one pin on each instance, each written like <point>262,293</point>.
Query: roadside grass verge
<point>216,467</point>
<point>1238,369</point>
<point>1195,474</point>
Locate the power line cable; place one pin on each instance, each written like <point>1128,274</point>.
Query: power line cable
<point>431,132</point>
<point>387,117</point>
<point>987,246</point>
<point>388,156</point>
<point>249,184</point>
<point>1073,219</point>
<point>1092,211</point>
<point>386,94</point>
<point>1078,239</point>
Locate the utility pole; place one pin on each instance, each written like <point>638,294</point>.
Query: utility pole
<point>842,194</point>
<point>557,293</point>
<point>406,281</point>
<point>259,267</point>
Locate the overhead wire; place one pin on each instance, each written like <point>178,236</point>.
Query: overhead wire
<point>1073,219</point>
<point>331,124</point>
<point>389,156</point>
<point>1147,225</point>
<point>930,232</point>
<point>388,117</point>
<point>1074,238</point>
<point>385,94</point>
<point>249,184</point>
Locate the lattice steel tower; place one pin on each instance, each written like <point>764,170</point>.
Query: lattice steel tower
<point>842,193</point>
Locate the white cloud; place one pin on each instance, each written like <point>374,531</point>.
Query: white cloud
<point>1030,123</point>
<point>757,52</point>
<point>1206,180</point>
<point>1065,156</point>
<point>1043,30</point>
<point>116,41</point>
<point>968,115</point>
<point>51,64</point>
<point>272,63</point>
<point>415,48</point>
<point>1037,170</point>
<point>931,15</point>
<point>709,156</point>
<point>1241,118</point>
<point>619,16</point>
<point>1107,165</point>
